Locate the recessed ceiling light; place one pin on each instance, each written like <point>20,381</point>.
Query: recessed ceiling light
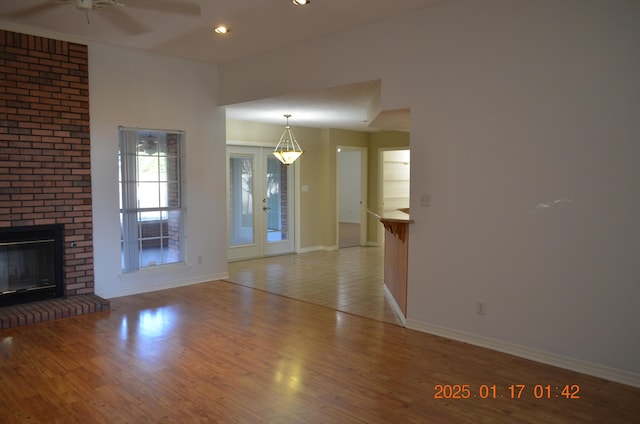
<point>222,29</point>
<point>301,2</point>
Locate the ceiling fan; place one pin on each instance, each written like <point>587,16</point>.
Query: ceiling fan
<point>116,16</point>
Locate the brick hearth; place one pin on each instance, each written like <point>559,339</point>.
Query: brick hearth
<point>48,310</point>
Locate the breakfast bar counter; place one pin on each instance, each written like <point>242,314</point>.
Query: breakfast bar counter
<point>396,253</point>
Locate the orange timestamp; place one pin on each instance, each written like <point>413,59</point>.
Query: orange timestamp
<point>513,391</point>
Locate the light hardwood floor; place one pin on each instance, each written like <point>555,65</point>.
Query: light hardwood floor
<point>227,353</point>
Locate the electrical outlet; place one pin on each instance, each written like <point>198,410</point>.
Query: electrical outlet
<point>481,308</point>
<point>199,259</point>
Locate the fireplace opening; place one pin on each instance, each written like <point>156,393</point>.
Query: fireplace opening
<point>30,263</point>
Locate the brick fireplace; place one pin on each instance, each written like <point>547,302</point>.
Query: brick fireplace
<point>45,167</point>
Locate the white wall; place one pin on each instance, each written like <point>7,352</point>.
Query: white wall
<point>525,136</point>
<point>136,89</point>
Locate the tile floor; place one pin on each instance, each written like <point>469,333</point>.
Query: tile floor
<point>348,280</point>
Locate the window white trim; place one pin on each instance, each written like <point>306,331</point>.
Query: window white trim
<point>166,148</point>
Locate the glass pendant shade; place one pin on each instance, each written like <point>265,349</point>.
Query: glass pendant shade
<point>288,149</point>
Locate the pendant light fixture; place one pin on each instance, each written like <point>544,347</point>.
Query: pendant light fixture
<point>288,149</point>
<point>148,144</point>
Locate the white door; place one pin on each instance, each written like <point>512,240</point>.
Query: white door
<point>352,196</point>
<point>260,204</point>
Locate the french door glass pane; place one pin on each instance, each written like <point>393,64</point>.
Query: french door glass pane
<point>277,217</point>
<point>241,220</point>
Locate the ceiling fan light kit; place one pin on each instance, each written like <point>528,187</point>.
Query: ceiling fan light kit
<point>92,4</point>
<point>166,6</point>
<point>86,4</point>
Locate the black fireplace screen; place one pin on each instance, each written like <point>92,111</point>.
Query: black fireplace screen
<point>30,263</point>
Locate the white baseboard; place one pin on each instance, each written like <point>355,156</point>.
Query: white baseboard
<point>316,248</point>
<point>155,286</point>
<point>394,305</point>
<point>330,248</point>
<point>548,358</point>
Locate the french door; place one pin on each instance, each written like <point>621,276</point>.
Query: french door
<point>260,204</point>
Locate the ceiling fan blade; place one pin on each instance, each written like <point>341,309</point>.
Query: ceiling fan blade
<point>122,21</point>
<point>165,6</point>
<point>35,9</point>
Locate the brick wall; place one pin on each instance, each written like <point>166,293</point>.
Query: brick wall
<point>173,198</point>
<point>45,174</point>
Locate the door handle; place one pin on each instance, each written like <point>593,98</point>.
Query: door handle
<point>264,208</point>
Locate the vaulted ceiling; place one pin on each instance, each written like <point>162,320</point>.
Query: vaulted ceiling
<point>184,29</point>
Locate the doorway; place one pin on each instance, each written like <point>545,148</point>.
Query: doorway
<point>394,183</point>
<point>260,204</point>
<point>352,191</point>
<point>395,176</point>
